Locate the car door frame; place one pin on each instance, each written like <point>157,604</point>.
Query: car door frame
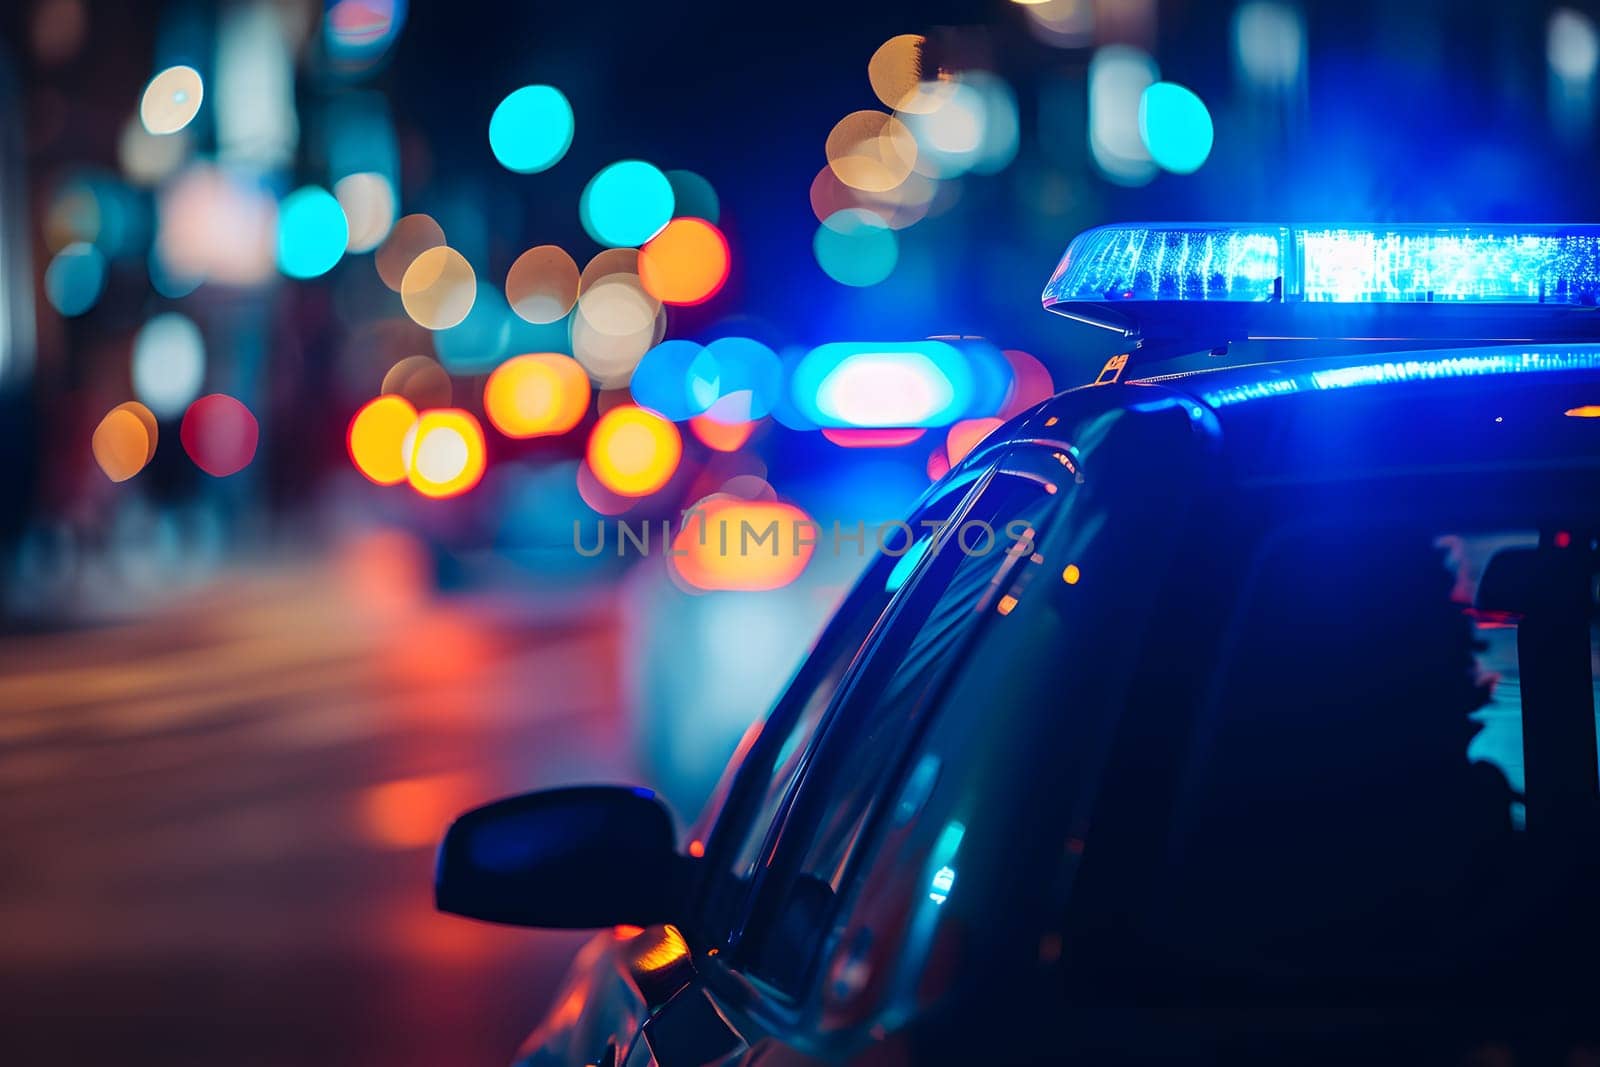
<point>763,1010</point>
<point>762,1007</point>
<point>731,828</point>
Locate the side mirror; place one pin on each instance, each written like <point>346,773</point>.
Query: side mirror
<point>572,858</point>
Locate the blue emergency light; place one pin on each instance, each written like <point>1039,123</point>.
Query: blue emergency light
<point>1189,285</point>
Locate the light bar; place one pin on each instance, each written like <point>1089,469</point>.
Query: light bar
<point>1482,265</point>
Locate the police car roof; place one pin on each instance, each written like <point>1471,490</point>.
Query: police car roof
<point>1520,408</point>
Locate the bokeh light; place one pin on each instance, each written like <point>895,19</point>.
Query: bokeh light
<point>74,278</point>
<point>966,435</point>
<point>72,216</point>
<point>368,202</point>
<point>990,373</point>
<point>536,395</point>
<point>444,453</point>
<point>607,263</point>
<point>421,380</point>
<point>828,194</point>
<point>478,343</point>
<point>148,158</point>
<point>531,129</point>
<point>883,385</point>
<point>615,324</point>
<point>1062,23</point>
<point>905,204</point>
<point>894,437</point>
<point>895,72</point>
<point>1572,45</point>
<point>610,359</point>
<point>97,209</point>
<point>871,150</point>
<point>410,237</point>
<point>973,128</point>
<point>1030,383</point>
<point>438,288</point>
<point>169,363</point>
<point>762,550</point>
<point>254,119</point>
<point>1175,127</point>
<point>312,232</point>
<point>693,196</point>
<point>618,305</point>
<point>634,452</point>
<point>677,379</point>
<point>124,442</point>
<point>171,100</point>
<point>220,434</point>
<point>1118,77</point>
<point>359,31</point>
<point>376,438</point>
<point>58,29</point>
<point>204,201</point>
<point>855,247</point>
<point>1269,44</point>
<point>542,285</point>
<point>413,813</point>
<point>686,263</point>
<point>597,497</point>
<point>720,436</point>
<point>748,377</point>
<point>166,281</point>
<point>626,204</point>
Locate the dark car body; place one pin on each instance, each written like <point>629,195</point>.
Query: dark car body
<point>1220,754</point>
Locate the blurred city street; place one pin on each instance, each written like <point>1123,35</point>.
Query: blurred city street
<point>362,360</point>
<point>217,822</point>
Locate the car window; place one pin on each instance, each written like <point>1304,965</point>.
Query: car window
<point>969,569</point>
<point>773,764</point>
<point>1331,781</point>
<point>1347,832</point>
<point>1126,478</point>
<point>961,876</point>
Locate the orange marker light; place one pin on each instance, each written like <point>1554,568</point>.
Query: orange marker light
<point>634,452</point>
<point>536,395</point>
<point>376,438</point>
<point>444,453</point>
<point>686,263</point>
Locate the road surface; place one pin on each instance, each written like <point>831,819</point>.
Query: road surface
<point>217,819</point>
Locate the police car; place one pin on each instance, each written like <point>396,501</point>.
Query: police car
<point>1272,741</point>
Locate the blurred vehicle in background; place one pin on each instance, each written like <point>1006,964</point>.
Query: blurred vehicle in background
<point>1236,708</point>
